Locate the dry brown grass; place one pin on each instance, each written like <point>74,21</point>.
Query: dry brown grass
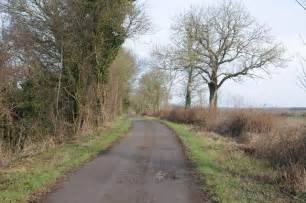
<point>285,148</point>
<point>239,123</point>
<point>269,136</point>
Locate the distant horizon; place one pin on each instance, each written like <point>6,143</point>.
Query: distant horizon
<point>245,107</point>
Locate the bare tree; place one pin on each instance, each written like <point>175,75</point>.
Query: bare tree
<point>230,45</point>
<point>180,56</point>
<point>136,22</point>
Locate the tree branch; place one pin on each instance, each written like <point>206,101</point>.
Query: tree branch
<point>303,6</point>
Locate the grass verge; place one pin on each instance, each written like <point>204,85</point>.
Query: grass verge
<point>229,175</point>
<point>34,175</point>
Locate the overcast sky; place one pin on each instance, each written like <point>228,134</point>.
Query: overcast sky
<point>288,24</point>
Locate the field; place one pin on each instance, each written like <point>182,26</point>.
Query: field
<point>275,137</point>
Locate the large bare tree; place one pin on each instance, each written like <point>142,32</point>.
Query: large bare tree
<point>230,44</point>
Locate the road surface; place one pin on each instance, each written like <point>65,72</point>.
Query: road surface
<point>147,166</point>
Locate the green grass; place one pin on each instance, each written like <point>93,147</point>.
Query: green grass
<point>37,173</point>
<point>229,175</point>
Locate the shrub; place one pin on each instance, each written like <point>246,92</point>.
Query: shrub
<point>273,137</point>
<point>285,148</point>
<point>196,115</point>
<point>231,123</point>
<point>240,122</point>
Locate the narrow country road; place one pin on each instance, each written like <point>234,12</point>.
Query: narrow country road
<point>147,166</point>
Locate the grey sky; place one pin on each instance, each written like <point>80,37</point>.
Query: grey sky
<point>288,24</point>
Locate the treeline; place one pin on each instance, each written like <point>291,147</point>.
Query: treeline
<point>151,94</point>
<point>62,66</point>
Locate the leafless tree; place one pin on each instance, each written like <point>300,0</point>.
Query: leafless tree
<point>180,56</point>
<point>230,45</point>
<point>137,22</point>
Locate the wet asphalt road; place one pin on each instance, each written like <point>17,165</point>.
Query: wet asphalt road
<point>147,166</point>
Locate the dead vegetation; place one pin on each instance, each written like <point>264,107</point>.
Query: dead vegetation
<point>269,136</point>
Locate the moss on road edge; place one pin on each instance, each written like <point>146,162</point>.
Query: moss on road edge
<point>229,175</point>
<point>35,175</point>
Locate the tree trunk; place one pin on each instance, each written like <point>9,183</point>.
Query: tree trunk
<point>213,95</point>
<point>60,79</point>
<point>189,90</point>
